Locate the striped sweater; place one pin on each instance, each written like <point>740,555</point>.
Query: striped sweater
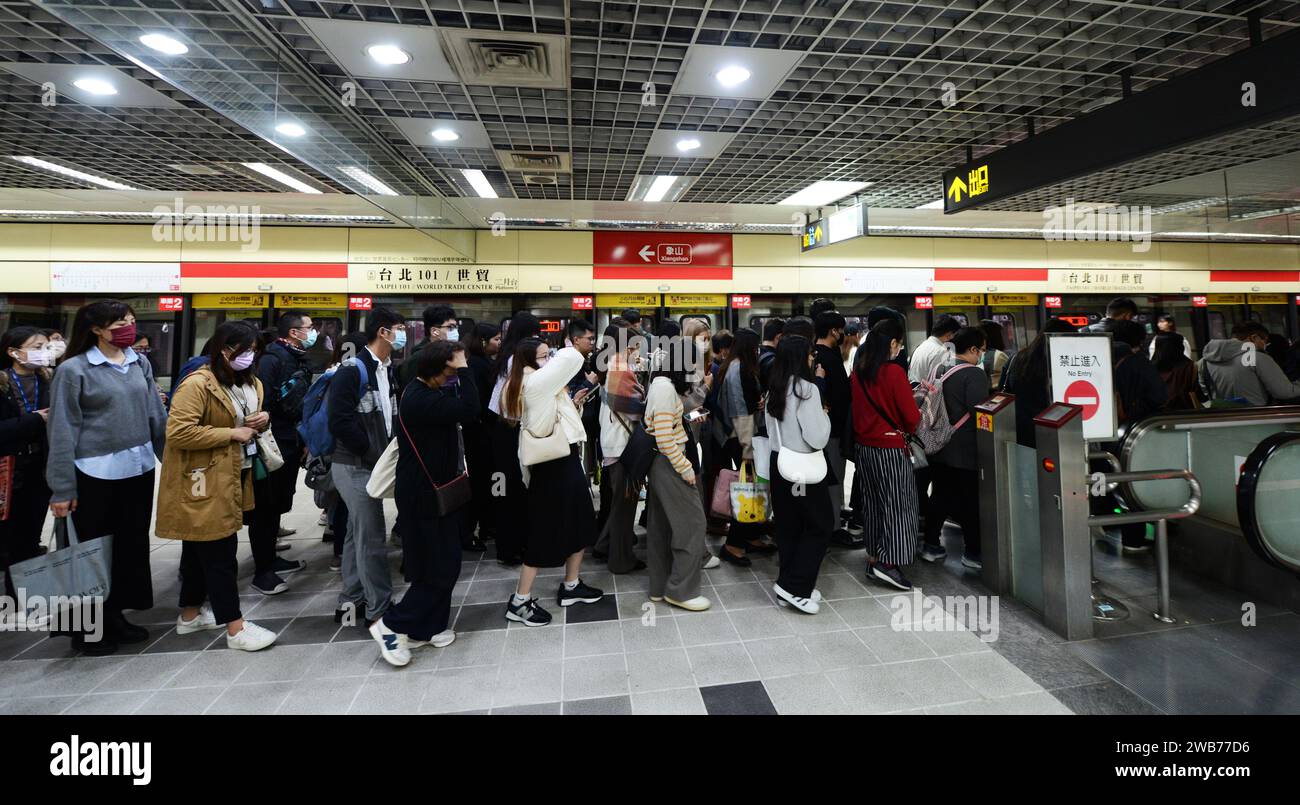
<point>663,416</point>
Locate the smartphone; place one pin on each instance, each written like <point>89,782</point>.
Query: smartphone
<point>696,415</point>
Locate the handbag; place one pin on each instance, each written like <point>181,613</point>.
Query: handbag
<point>749,500</point>
<point>914,446</point>
<point>457,492</point>
<point>383,478</point>
<point>797,467</point>
<point>720,503</point>
<point>269,450</point>
<point>81,571</point>
<point>534,449</point>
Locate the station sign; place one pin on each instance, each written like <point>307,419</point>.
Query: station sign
<point>1267,298</point>
<point>958,299</point>
<point>1200,301</point>
<point>361,303</point>
<point>1226,299</point>
<point>841,225</point>
<point>1052,302</point>
<point>925,303</point>
<point>425,278</point>
<point>700,300</point>
<point>1136,277</point>
<point>584,303</point>
<point>1082,376</point>
<point>618,255</point>
<point>171,304</point>
<point>742,301</point>
<point>621,301</point>
<point>229,301</point>
<point>1013,299</point>
<point>312,301</point>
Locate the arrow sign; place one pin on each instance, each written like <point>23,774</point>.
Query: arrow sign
<point>646,253</point>
<point>956,189</point>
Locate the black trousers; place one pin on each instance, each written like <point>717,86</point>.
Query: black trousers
<point>478,462</point>
<point>511,511</point>
<point>124,509</point>
<point>739,534</point>
<point>804,524</point>
<point>425,609</point>
<point>924,479</point>
<point>20,535</point>
<point>208,571</point>
<point>614,524</point>
<point>272,497</point>
<point>956,497</point>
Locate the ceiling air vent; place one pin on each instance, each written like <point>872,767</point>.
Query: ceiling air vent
<point>540,179</point>
<point>534,161</point>
<point>508,59</point>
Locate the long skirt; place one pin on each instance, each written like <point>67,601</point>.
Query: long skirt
<point>561,519</point>
<point>890,508</point>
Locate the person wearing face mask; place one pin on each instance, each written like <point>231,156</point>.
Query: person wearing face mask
<point>285,374</point>
<point>361,421</point>
<point>24,407</point>
<point>884,414</point>
<point>57,345</point>
<point>110,426</point>
<point>439,325</point>
<point>207,485</point>
<point>621,414</point>
<point>830,327</point>
<point>430,452</point>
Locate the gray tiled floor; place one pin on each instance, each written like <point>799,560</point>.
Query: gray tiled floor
<point>627,655</point>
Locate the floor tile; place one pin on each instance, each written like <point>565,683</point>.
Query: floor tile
<point>534,683</point>
<point>738,699</point>
<point>609,706</point>
<point>595,677</point>
<point>262,699</point>
<point>586,639</point>
<point>676,702</point>
<point>606,609</point>
<point>656,670</point>
<point>452,690</point>
<point>804,694</point>
<point>321,696</point>
<point>721,664</point>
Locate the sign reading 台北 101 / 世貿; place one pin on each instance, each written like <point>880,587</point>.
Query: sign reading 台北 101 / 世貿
<point>431,278</point>
<point>1081,375</point>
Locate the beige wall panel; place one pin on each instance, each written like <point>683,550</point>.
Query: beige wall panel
<point>979,253</point>
<point>24,276</point>
<point>1183,281</point>
<point>758,280</point>
<point>25,241</point>
<point>1180,256</point>
<point>1254,256</point>
<point>1093,255</point>
<point>554,248</point>
<point>493,248</point>
<point>568,278</point>
<point>274,244</point>
<point>764,250</point>
<point>872,251</point>
<point>399,246</point>
<point>109,243</point>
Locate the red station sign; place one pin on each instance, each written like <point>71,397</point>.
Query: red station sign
<point>741,301</point>
<point>1051,301</point>
<point>584,303</point>
<point>171,304</point>
<point>925,303</point>
<point>661,255</point>
<point>361,302</point>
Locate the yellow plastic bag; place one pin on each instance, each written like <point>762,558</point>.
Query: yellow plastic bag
<point>749,499</point>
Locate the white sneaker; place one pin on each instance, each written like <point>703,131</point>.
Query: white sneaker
<point>392,646</point>
<point>440,640</point>
<point>202,622</point>
<point>816,596</point>
<point>712,562</point>
<point>251,638</point>
<point>324,519</point>
<point>697,604</point>
<point>808,605</point>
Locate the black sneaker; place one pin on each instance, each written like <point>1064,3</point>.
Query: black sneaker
<point>102,647</point>
<point>890,575</point>
<point>582,594</point>
<point>739,561</point>
<point>845,538</point>
<point>282,565</point>
<point>270,584</point>
<point>529,613</point>
<point>124,632</point>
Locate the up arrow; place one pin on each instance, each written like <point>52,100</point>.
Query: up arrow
<point>646,253</point>
<point>956,189</point>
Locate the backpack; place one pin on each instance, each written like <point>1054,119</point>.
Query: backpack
<point>315,427</point>
<point>934,430</point>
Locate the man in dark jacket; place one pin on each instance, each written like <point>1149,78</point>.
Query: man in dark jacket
<point>440,324</point>
<point>285,377</point>
<point>361,422</point>
<point>1121,308</point>
<point>1141,393</point>
<point>830,326</point>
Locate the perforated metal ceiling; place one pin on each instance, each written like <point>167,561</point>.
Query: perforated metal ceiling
<point>863,101</point>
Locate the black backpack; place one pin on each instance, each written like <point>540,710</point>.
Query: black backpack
<point>636,457</point>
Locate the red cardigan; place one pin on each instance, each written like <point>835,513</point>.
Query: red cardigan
<point>893,393</point>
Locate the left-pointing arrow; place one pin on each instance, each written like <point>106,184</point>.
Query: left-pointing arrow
<point>646,253</point>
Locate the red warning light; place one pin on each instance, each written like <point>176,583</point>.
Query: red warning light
<point>551,326</point>
<point>1049,465</point>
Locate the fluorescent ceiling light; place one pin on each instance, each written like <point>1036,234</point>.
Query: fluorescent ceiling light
<point>36,162</point>
<point>732,76</point>
<point>480,183</point>
<point>291,129</point>
<point>368,180</point>
<point>388,54</point>
<point>164,44</point>
<point>95,86</point>
<point>445,135</point>
<point>825,192</point>
<point>660,188</point>
<point>937,204</point>
<point>280,176</point>
<point>689,144</point>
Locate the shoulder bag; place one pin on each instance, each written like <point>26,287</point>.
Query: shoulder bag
<point>454,494</point>
<point>797,467</point>
<point>914,446</point>
<point>534,449</point>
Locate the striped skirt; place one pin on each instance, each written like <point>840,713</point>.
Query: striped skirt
<point>890,507</point>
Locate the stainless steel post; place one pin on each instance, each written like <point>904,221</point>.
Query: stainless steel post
<point>1162,570</point>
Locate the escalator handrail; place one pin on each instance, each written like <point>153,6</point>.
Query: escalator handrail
<point>1247,487</point>
<point>1201,418</point>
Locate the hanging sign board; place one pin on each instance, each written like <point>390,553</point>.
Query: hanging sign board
<point>1082,376</point>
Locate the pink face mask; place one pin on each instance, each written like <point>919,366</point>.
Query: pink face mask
<point>242,361</point>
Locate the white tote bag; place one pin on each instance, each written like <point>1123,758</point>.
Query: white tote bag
<point>796,467</point>
<point>383,478</point>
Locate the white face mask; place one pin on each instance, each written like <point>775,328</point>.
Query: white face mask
<point>56,349</point>
<point>35,358</point>
<point>453,335</point>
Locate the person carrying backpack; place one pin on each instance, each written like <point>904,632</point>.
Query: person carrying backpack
<point>620,416</point>
<point>955,466</point>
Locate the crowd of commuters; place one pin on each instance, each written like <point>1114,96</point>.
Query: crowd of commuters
<point>492,435</point>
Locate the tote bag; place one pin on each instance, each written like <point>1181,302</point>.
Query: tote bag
<point>749,499</point>
<point>535,449</point>
<point>720,503</point>
<point>383,478</point>
<point>81,569</point>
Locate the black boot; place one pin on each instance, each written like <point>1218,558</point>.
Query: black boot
<point>123,631</point>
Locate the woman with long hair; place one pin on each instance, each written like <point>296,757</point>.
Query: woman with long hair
<point>1178,371</point>
<point>995,357</point>
<point>1029,376</point>
<point>803,516</point>
<point>738,398</point>
<point>557,505</point>
<point>110,426</point>
<point>481,348</point>
<point>884,415</point>
<point>25,361</point>
<point>503,434</point>
<point>206,487</point>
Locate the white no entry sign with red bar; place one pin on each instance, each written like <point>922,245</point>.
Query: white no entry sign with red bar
<point>1082,376</point>
<point>661,255</point>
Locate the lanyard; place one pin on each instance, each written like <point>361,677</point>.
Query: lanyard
<point>28,407</point>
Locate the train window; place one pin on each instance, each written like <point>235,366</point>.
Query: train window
<point>1007,321</point>
<point>1217,324</point>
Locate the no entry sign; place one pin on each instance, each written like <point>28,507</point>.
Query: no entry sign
<point>1082,376</point>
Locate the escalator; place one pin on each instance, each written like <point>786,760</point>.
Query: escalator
<point>1268,508</point>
